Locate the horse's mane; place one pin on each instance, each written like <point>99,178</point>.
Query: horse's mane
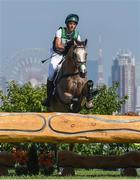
<point>74,43</point>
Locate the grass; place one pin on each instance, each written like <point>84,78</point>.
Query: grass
<point>79,174</point>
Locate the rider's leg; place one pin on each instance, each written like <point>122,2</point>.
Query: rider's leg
<point>50,88</point>
<point>52,69</point>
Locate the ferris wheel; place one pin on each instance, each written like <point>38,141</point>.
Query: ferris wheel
<point>25,66</point>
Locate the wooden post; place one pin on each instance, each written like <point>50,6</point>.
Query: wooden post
<point>68,128</point>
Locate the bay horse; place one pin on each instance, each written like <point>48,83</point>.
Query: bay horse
<point>72,89</point>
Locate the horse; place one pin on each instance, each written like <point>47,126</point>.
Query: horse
<point>72,88</point>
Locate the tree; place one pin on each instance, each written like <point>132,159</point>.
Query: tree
<point>107,101</point>
<point>23,98</point>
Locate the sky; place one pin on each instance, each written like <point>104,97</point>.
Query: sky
<point>32,24</point>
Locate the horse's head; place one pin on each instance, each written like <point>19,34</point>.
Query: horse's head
<point>79,56</point>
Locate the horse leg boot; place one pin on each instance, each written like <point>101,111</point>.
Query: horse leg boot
<point>50,87</point>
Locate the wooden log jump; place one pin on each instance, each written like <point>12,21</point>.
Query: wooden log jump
<point>68,128</point>
<point>70,159</point>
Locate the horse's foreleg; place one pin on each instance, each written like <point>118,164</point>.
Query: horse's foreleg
<point>65,97</point>
<point>89,94</point>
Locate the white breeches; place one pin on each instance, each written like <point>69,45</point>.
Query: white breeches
<point>53,65</point>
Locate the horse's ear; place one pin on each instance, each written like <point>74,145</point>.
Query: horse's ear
<point>85,42</point>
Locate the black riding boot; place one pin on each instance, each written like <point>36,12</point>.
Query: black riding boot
<point>50,87</point>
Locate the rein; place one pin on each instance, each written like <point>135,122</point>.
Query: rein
<point>67,75</point>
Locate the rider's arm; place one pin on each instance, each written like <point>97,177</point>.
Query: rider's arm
<point>58,44</point>
<point>58,41</point>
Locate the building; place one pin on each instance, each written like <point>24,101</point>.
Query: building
<point>3,84</point>
<point>137,74</point>
<point>138,88</point>
<point>100,68</point>
<point>138,100</point>
<point>123,71</point>
<point>92,67</point>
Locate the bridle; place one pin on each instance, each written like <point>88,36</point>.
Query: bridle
<point>74,54</point>
<point>79,64</point>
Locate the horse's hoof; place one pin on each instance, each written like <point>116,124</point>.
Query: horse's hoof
<point>89,105</point>
<point>71,107</point>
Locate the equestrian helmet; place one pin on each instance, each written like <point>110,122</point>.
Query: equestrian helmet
<point>73,18</point>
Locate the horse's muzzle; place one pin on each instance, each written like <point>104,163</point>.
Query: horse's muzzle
<point>83,75</point>
<point>83,70</point>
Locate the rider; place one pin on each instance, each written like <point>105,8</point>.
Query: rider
<point>62,36</point>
